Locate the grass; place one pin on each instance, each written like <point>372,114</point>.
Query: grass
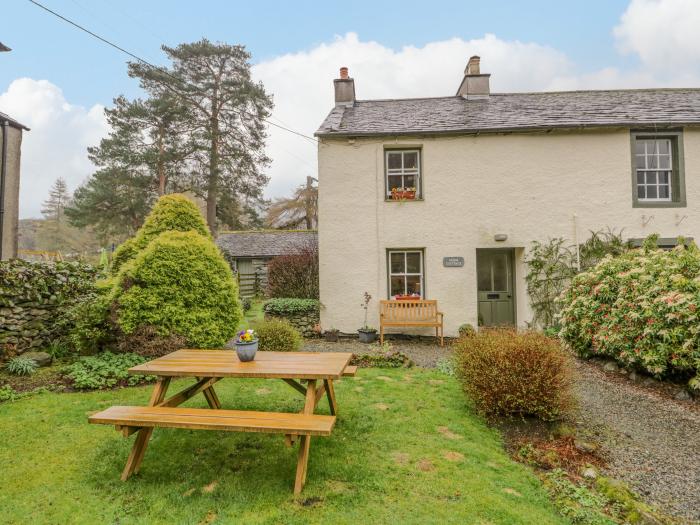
<point>252,316</point>
<point>406,449</point>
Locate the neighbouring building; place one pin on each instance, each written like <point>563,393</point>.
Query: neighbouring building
<point>442,197</point>
<point>248,252</point>
<point>10,153</point>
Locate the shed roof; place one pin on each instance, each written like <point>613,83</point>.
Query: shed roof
<point>12,122</point>
<point>265,243</point>
<point>502,112</point>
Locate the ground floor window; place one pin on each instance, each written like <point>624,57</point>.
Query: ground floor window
<point>405,273</point>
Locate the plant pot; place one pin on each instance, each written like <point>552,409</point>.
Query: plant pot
<point>246,351</point>
<point>331,337</point>
<point>367,336</point>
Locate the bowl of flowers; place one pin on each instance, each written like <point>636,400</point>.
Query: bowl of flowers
<point>246,345</point>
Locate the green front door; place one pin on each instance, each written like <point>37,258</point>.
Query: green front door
<point>494,273</point>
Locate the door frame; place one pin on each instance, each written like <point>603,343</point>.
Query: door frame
<point>514,298</point>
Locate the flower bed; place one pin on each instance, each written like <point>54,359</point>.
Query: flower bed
<point>641,309</point>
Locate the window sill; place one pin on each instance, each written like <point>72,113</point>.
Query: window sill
<point>659,204</point>
<point>402,200</point>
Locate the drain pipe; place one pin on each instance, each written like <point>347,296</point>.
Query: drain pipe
<point>3,176</point>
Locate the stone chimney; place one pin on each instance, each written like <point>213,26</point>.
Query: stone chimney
<point>344,89</point>
<point>474,85</point>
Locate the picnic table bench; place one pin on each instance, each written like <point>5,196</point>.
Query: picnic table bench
<point>211,366</point>
<point>410,312</point>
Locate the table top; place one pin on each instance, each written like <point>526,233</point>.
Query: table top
<point>225,363</point>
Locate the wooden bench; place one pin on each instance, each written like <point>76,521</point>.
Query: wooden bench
<point>418,312</point>
<point>128,419</point>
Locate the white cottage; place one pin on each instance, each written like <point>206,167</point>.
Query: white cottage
<point>442,197</point>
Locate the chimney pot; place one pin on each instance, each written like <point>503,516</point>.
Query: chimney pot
<point>343,73</point>
<point>473,66</point>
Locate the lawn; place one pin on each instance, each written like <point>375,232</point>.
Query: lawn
<point>252,316</point>
<point>406,449</point>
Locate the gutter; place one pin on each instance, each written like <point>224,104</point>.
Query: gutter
<point>3,176</point>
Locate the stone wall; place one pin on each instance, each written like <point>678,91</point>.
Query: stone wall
<point>302,314</point>
<point>32,297</point>
<point>303,322</point>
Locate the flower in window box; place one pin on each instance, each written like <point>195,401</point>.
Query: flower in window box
<point>401,194</point>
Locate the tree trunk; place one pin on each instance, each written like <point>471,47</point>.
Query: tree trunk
<point>161,162</point>
<point>213,183</point>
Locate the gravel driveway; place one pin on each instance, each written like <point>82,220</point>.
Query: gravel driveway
<point>651,441</point>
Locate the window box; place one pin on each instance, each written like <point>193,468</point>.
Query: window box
<point>403,194</point>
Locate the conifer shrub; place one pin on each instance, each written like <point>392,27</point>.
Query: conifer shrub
<point>278,336</point>
<point>179,285</point>
<point>173,212</point>
<point>514,373</point>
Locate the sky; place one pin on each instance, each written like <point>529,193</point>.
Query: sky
<point>57,80</point>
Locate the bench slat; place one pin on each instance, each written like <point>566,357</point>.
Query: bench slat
<point>203,418</point>
<point>350,371</point>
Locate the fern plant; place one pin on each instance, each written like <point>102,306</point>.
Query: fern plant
<point>21,366</point>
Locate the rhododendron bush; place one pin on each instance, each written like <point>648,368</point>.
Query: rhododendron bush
<point>640,308</point>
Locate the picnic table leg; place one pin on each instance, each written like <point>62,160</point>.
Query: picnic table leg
<point>305,442</point>
<point>330,392</point>
<point>139,448</point>
<point>211,397</point>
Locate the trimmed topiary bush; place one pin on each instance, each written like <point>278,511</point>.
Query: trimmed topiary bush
<point>466,330</point>
<point>511,373</point>
<point>171,213</point>
<point>278,336</point>
<point>641,308</point>
<point>181,285</point>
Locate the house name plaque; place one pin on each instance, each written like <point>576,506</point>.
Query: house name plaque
<point>453,262</point>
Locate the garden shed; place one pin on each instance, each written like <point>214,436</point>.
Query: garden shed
<point>249,251</point>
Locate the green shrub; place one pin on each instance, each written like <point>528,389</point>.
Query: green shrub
<point>641,309</point>
<point>89,329</point>
<point>171,213</point>
<point>388,359</point>
<point>284,306</point>
<point>466,330</point>
<point>21,366</point>
<point>180,285</point>
<point>511,373</point>
<point>104,370</point>
<point>278,336</point>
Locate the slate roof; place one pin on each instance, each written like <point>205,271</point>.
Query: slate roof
<point>516,112</point>
<point>12,122</point>
<point>266,243</point>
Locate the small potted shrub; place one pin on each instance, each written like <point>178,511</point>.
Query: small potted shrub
<point>466,330</point>
<point>367,334</point>
<point>246,345</point>
<point>331,335</point>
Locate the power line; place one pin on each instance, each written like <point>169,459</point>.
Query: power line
<point>149,64</point>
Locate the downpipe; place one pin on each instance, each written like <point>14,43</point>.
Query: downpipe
<point>3,177</point>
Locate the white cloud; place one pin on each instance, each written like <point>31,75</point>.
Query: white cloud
<point>56,145</point>
<point>664,34</point>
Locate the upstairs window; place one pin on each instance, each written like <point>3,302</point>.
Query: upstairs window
<point>657,174</point>
<point>403,174</point>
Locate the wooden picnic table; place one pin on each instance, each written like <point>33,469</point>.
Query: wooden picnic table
<point>303,371</point>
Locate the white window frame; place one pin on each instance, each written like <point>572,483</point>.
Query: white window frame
<point>403,172</point>
<point>657,171</point>
<point>421,274</point>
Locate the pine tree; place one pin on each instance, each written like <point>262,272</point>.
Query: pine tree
<point>298,211</point>
<point>227,112</point>
<point>53,210</point>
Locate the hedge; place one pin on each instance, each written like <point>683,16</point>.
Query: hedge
<point>291,306</point>
<point>641,309</point>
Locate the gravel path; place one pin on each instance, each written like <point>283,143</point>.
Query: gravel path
<point>651,441</point>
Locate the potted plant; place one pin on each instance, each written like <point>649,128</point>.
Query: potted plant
<point>367,334</point>
<point>331,335</point>
<point>246,345</point>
